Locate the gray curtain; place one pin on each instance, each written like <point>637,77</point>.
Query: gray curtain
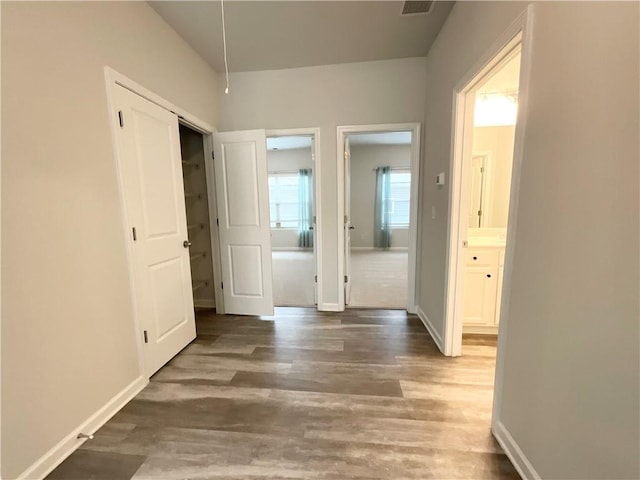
<point>305,206</point>
<point>382,211</point>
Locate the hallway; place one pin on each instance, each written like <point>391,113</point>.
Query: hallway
<point>362,394</point>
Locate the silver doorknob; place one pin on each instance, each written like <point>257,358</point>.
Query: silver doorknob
<point>186,244</point>
<point>352,227</point>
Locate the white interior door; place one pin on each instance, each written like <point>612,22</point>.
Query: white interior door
<point>347,222</point>
<point>151,169</point>
<point>243,208</point>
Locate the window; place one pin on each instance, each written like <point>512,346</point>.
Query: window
<point>400,194</point>
<point>283,200</point>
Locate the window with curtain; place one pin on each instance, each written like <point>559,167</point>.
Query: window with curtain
<point>393,190</point>
<point>400,193</point>
<point>284,207</point>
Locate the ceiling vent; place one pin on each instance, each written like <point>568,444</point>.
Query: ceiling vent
<point>414,7</point>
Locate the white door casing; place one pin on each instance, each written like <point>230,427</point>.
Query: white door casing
<point>347,222</point>
<point>148,145</point>
<point>240,164</point>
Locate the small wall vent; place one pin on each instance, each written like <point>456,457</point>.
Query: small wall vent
<point>414,7</point>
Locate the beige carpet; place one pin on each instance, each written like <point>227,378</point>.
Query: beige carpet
<point>293,278</point>
<point>379,278</point>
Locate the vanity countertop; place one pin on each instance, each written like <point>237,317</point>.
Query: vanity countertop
<point>495,242</point>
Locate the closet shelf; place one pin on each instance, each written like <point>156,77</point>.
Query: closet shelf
<point>192,195</point>
<point>191,164</point>
<point>196,256</point>
<point>198,284</point>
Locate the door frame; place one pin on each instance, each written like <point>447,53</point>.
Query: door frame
<point>317,196</point>
<point>113,79</point>
<point>414,230</point>
<point>519,32</point>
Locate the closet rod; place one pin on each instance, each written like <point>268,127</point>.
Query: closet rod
<point>191,164</point>
<point>193,226</point>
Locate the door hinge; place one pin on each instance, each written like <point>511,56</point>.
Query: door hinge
<point>314,219</point>
<point>315,278</point>
<point>213,155</point>
<point>135,235</point>
<point>479,213</point>
<point>222,285</point>
<point>346,278</point>
<point>120,118</point>
<point>146,336</point>
<point>481,169</point>
<point>218,222</point>
<point>345,219</point>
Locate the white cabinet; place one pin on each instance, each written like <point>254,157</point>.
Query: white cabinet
<point>482,287</point>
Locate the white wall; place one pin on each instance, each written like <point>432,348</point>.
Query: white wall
<point>571,394</point>
<point>286,161</point>
<point>364,160</point>
<point>498,141</point>
<point>67,328</point>
<point>390,91</point>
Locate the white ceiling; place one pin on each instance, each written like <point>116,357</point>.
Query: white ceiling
<point>271,35</point>
<point>387,138</point>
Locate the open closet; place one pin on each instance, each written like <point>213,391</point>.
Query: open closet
<point>199,233</point>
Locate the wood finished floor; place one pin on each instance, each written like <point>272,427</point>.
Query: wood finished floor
<point>363,394</point>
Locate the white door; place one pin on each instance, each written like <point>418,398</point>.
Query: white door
<point>242,191</point>
<point>151,169</point>
<point>347,222</point>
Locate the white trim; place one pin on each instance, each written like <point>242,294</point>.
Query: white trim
<point>112,79</point>
<point>214,229</point>
<point>414,255</point>
<point>317,192</point>
<point>330,307</point>
<point>480,329</point>
<point>204,303</point>
<point>518,33</point>
<point>430,328</point>
<point>514,452</point>
<point>56,455</point>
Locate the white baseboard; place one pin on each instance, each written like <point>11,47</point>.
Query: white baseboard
<point>513,451</point>
<point>54,457</point>
<point>480,329</point>
<point>430,328</point>
<point>357,249</point>
<point>204,303</point>
<point>329,307</point>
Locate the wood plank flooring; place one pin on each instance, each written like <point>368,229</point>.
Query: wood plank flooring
<point>363,394</point>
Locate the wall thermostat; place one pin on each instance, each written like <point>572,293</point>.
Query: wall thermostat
<point>440,179</point>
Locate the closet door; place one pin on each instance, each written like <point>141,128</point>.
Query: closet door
<point>151,170</point>
<point>243,208</point>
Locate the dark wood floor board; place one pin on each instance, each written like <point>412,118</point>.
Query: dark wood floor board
<point>364,394</point>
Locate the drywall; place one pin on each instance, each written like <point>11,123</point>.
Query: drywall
<point>289,160</point>
<point>364,160</point>
<point>67,327</point>
<point>391,91</point>
<point>571,394</point>
<point>498,142</point>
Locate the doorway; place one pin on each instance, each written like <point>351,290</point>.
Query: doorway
<point>292,172</point>
<point>484,185</point>
<point>378,195</point>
